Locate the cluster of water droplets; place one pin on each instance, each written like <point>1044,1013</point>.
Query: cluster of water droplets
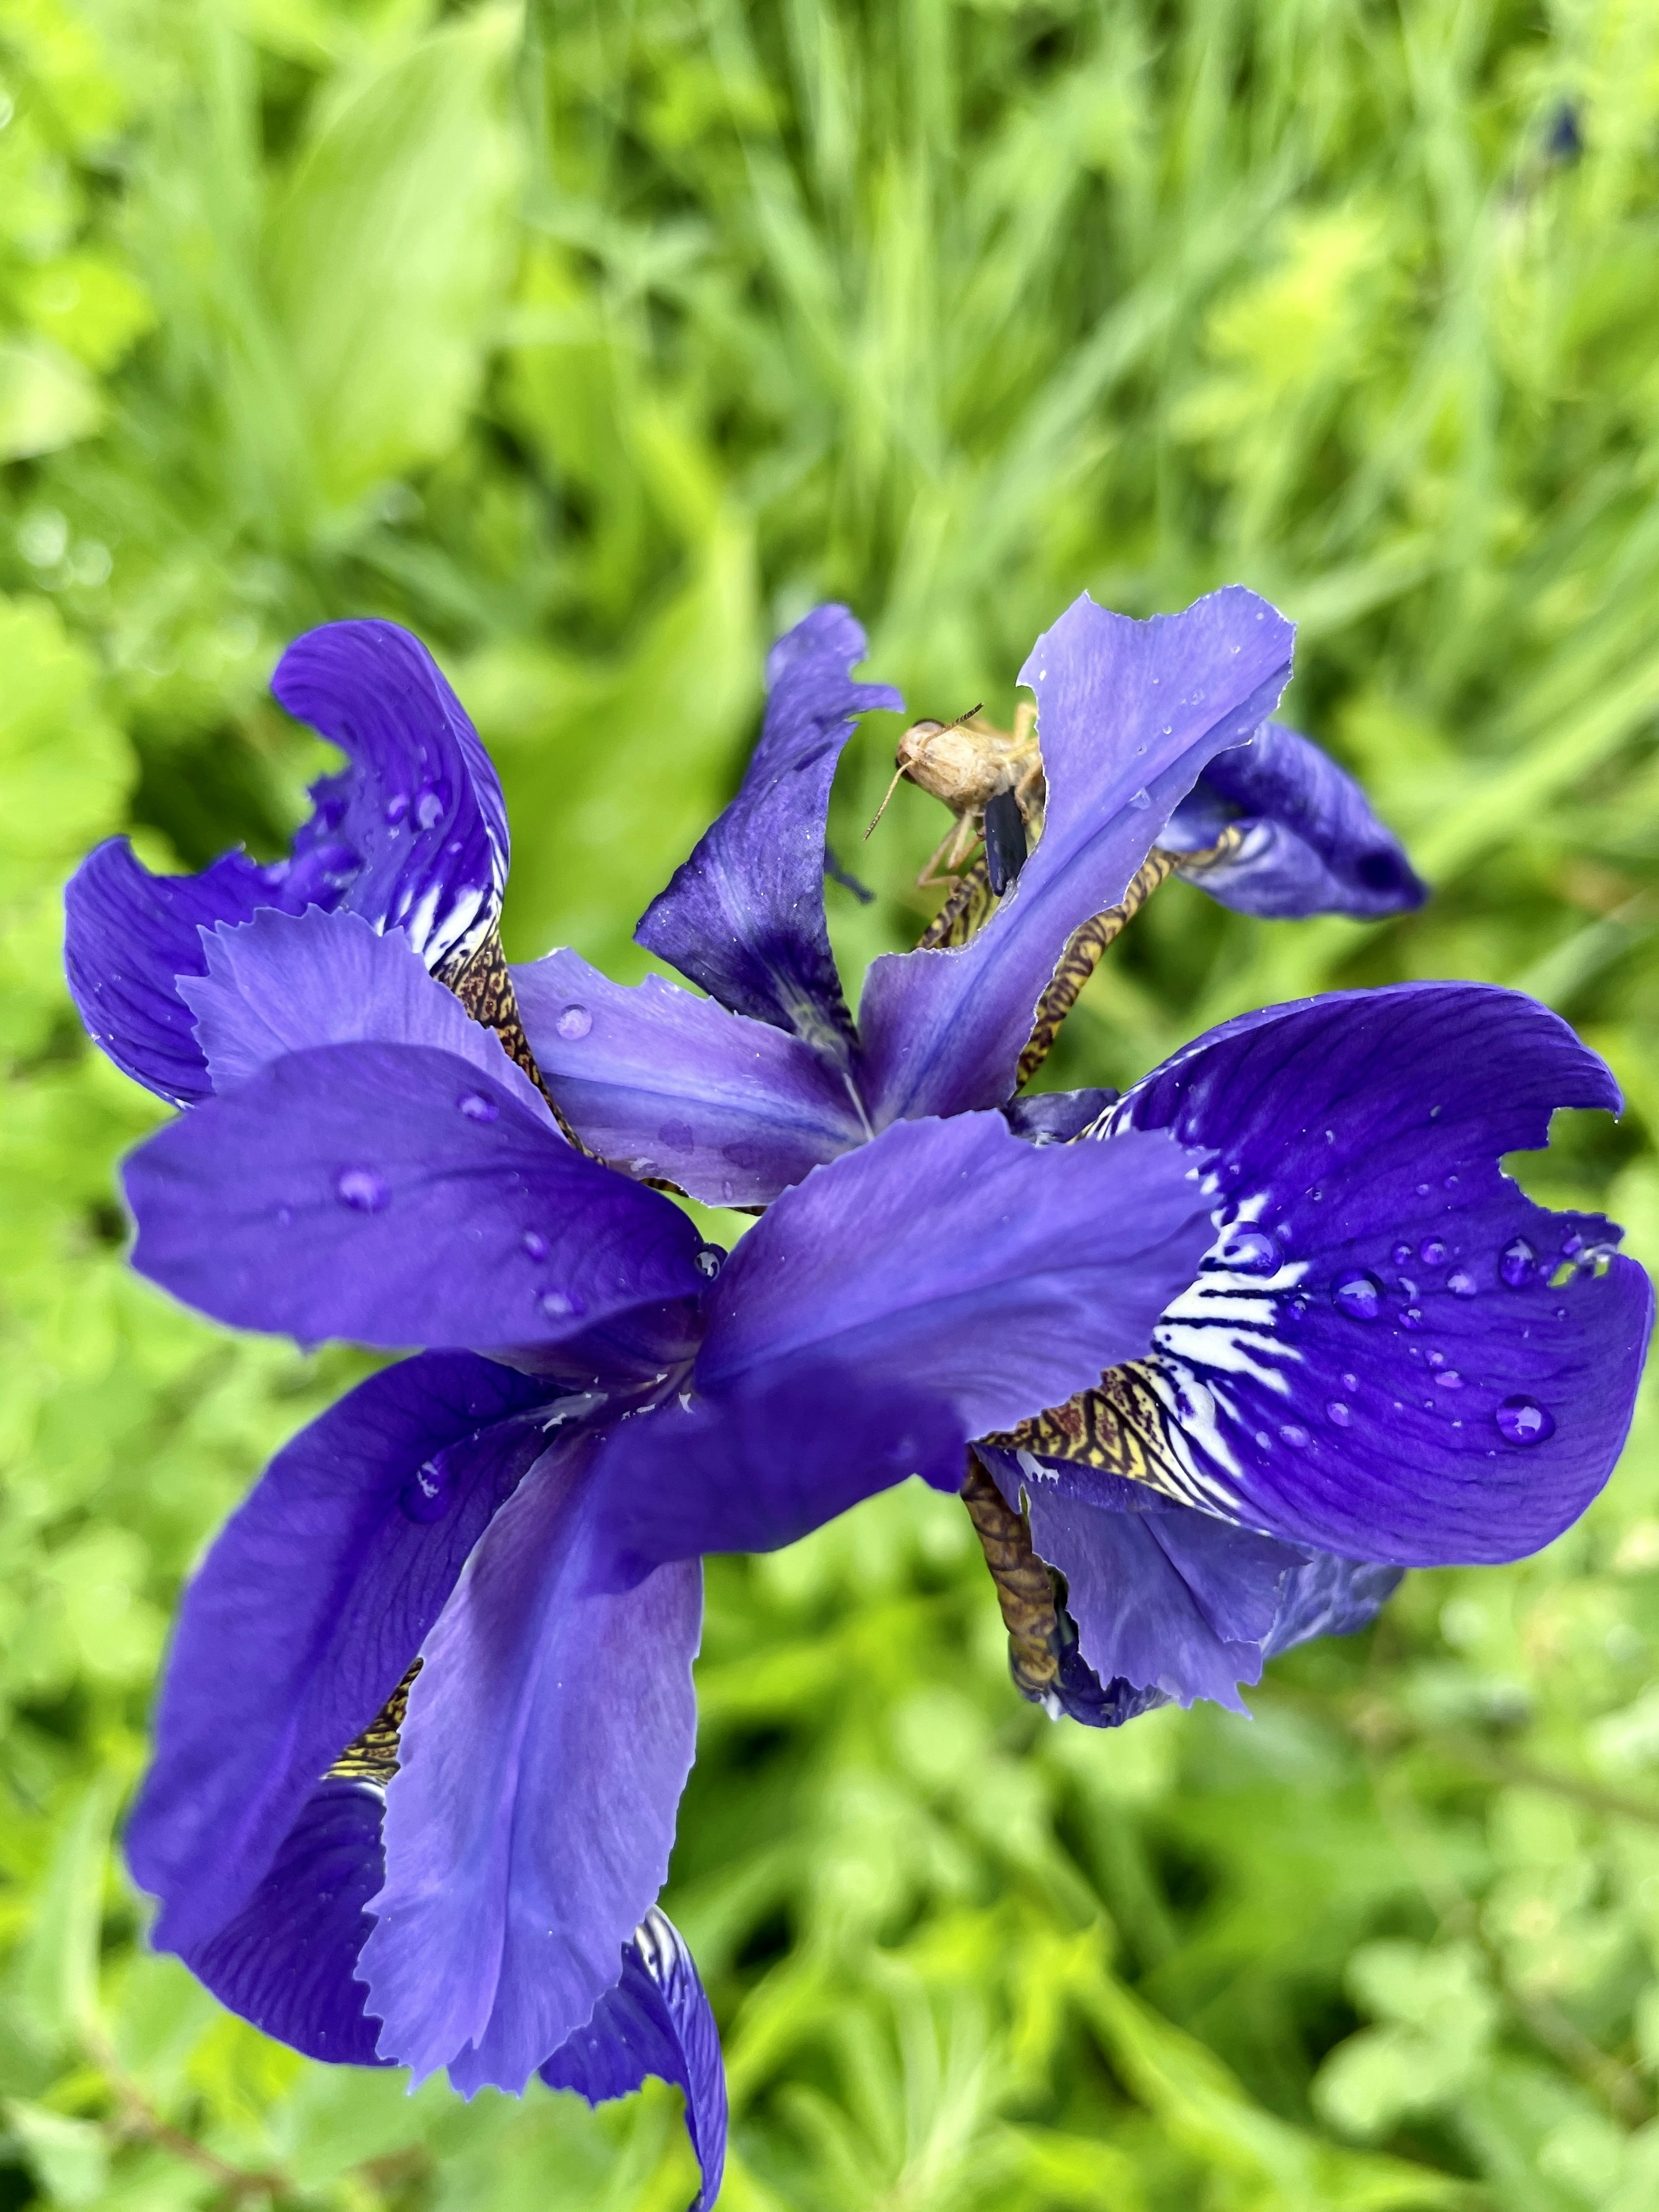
<point>428,806</point>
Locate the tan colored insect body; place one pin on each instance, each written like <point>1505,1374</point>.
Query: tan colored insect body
<point>966,764</point>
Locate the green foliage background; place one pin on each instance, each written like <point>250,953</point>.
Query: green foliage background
<point>596,348</point>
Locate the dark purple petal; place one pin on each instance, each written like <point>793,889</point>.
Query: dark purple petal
<point>413,835</point>
<point>951,1257</point>
<point>1131,713</point>
<point>548,1738</point>
<point>764,1463</point>
<point>283,982</point>
<point>1055,1117</point>
<point>1165,1598</point>
<point>744,916</point>
<point>1312,844</point>
<point>304,1616</point>
<point>1329,1596</point>
<point>1377,1358</point>
<point>127,934</point>
<point>655,2020</point>
<point>663,1083</point>
<point>397,1196</point>
<point>286,1960</point>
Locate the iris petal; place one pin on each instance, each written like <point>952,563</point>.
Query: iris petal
<point>412,836</point>
<point>548,1738</point>
<point>1131,713</point>
<point>744,916</point>
<point>655,2020</point>
<point>1311,844</point>
<point>662,1083</point>
<point>305,1614</point>
<point>395,1194</point>
<point>1390,1352</point>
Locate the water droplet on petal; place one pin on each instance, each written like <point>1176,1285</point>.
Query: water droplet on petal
<point>1338,1414</point>
<point>426,1496</point>
<point>1408,1288</point>
<point>362,1189</point>
<point>1412,1317</point>
<point>1423,1190</point>
<point>1516,1263</point>
<point>395,807</point>
<point>1294,1436</point>
<point>284,1215</point>
<point>1523,1421</point>
<point>1437,1359</point>
<point>728,1189</point>
<point>1400,1255</point>
<point>1358,1296</point>
<point>1141,798</point>
<point>535,1244</point>
<point>1432,1253</point>
<point>1461,1284</point>
<point>1448,1379</point>
<point>1451,1182</point>
<point>477,1107</point>
<point>1253,1252</point>
<point>708,1260</point>
<point>574,1022</point>
<point>428,810</point>
<point>1572,1246</point>
<point>1264,1442</point>
<point>558,1305</point>
<point>1350,1381</point>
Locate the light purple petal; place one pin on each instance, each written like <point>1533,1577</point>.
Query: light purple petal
<point>655,2020</point>
<point>413,835</point>
<point>952,1257</point>
<point>1311,843</point>
<point>1329,1596</point>
<point>396,1195</point>
<point>1377,1358</point>
<point>663,1083</point>
<point>744,916</point>
<point>283,982</point>
<point>548,1739</point>
<point>1131,713</point>
<point>764,1463</point>
<point>286,1960</point>
<point>127,934</point>
<point>1164,1599</point>
<point>304,1616</point>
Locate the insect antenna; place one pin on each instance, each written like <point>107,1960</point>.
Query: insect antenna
<point>899,771</point>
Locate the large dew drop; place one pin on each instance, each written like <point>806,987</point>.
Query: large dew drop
<point>477,1107</point>
<point>1253,1252</point>
<point>1359,1296</point>
<point>574,1022</point>
<point>1461,1284</point>
<point>362,1189</point>
<point>1523,1421</point>
<point>1516,1263</point>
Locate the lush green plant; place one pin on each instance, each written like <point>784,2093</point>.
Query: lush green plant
<point>596,348</point>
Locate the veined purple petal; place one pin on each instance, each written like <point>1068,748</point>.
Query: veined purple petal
<point>1312,844</point>
<point>1131,713</point>
<point>655,2020</point>
<point>283,983</point>
<point>1329,1596</point>
<point>744,916</point>
<point>1168,1599</point>
<point>286,1959</point>
<point>1390,1352</point>
<point>951,1257</point>
<point>764,1463</point>
<point>395,1194</point>
<point>127,936</point>
<point>548,1738</point>
<point>413,835</point>
<point>304,1616</point>
<point>663,1083</point>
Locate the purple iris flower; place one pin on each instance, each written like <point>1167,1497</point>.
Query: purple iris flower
<point>1229,1352</point>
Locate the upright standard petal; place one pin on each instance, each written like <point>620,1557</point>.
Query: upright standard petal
<point>951,1257</point>
<point>395,1194</point>
<point>305,1615</point>
<point>1389,1353</point>
<point>548,1738</point>
<point>764,1463</point>
<point>1130,712</point>
<point>283,982</point>
<point>1311,844</point>
<point>416,825</point>
<point>744,916</point>
<point>663,1083</point>
<point>655,2020</point>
